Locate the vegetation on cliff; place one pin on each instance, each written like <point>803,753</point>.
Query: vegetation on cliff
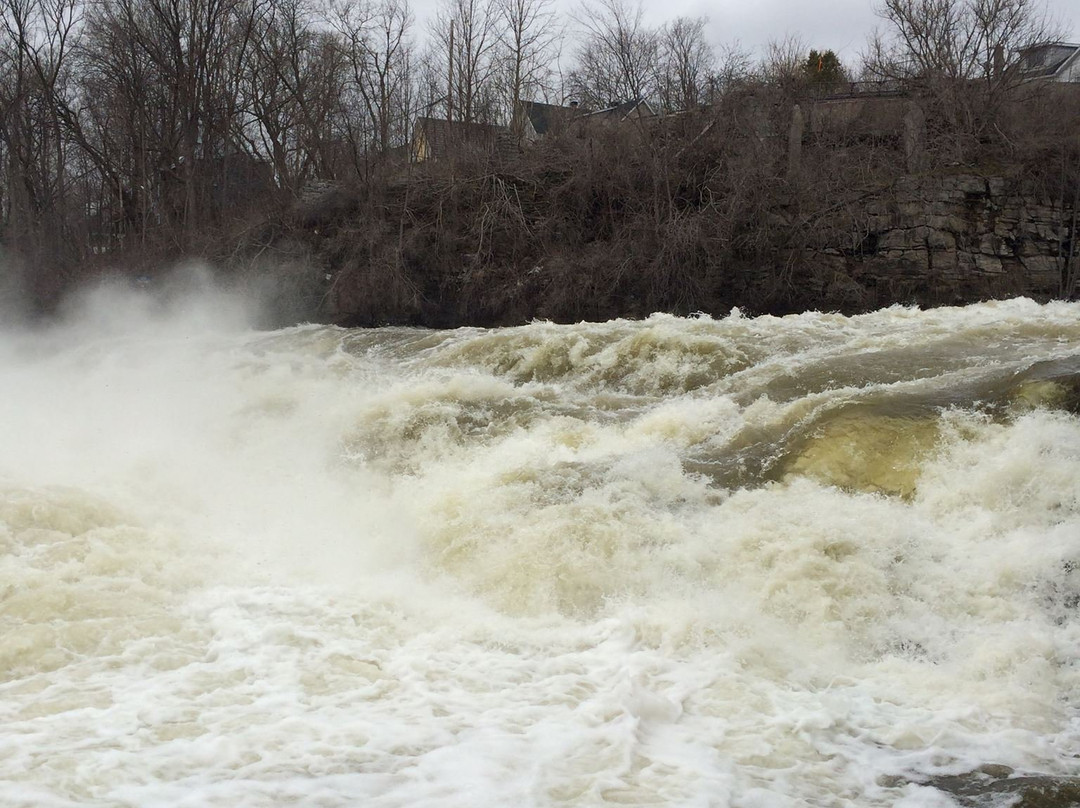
<point>696,212</point>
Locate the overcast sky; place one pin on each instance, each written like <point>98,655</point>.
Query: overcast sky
<point>839,25</point>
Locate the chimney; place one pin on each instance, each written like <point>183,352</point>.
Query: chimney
<point>999,60</point>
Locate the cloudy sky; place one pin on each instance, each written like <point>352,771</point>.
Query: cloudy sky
<point>840,25</point>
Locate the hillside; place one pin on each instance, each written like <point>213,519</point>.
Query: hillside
<point>698,212</point>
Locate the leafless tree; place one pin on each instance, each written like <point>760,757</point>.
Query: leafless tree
<point>464,41</point>
<point>735,68</point>
<point>619,56</point>
<point>686,63</point>
<point>172,88</point>
<point>784,60</point>
<point>957,39</point>
<point>35,44</point>
<point>528,37</point>
<point>376,42</point>
<point>962,54</point>
<point>294,85</point>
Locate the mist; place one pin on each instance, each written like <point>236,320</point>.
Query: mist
<point>165,399</point>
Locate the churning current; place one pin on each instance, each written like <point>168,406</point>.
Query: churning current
<point>752,562</point>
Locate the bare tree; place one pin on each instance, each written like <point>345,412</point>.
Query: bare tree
<point>963,54</point>
<point>619,56</point>
<point>161,71</point>
<point>273,118</point>
<point>735,68</point>
<point>128,132</point>
<point>527,38</point>
<point>295,80</point>
<point>35,43</point>
<point>686,63</point>
<point>784,61</point>
<point>464,44</point>
<point>956,39</point>
<point>376,42</point>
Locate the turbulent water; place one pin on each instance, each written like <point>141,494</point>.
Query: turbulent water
<point>809,561</point>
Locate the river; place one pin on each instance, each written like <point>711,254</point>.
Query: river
<point>752,562</point>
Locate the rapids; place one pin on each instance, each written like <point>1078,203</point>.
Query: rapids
<point>804,561</point>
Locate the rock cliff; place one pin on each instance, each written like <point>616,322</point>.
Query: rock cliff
<point>591,244</point>
<point>945,239</point>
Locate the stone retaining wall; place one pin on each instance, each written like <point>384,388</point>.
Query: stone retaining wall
<point>945,238</point>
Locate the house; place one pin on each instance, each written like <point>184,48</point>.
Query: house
<point>1054,61</point>
<point>437,139</point>
<point>535,120</point>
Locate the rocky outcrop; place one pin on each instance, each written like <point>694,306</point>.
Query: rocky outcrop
<point>945,239</point>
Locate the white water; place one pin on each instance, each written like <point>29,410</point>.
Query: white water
<point>746,562</point>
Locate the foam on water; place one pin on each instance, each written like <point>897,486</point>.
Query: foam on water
<point>813,560</point>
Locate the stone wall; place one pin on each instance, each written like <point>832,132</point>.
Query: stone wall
<point>943,239</point>
<point>857,115</point>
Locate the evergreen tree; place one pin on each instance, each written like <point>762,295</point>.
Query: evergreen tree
<point>824,69</point>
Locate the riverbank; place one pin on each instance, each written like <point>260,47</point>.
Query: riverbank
<point>698,212</point>
<point>701,213</point>
<point>927,240</point>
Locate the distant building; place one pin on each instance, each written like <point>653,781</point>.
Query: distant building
<point>437,139</point>
<point>535,120</point>
<point>1054,61</point>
